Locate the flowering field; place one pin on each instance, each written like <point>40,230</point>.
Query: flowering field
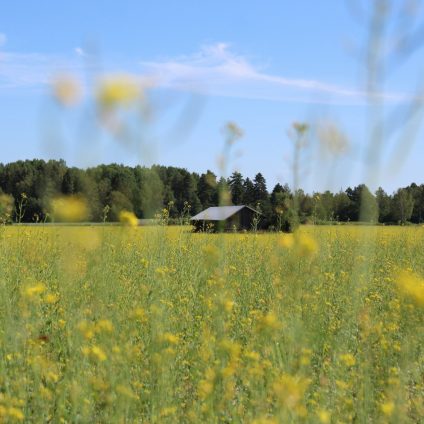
<point>117,324</point>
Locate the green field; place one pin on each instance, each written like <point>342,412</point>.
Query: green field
<point>157,324</point>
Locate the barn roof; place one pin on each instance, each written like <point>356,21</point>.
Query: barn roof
<point>219,213</point>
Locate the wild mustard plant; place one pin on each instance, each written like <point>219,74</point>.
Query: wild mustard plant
<point>160,324</point>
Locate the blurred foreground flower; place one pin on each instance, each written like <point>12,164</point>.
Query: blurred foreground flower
<point>286,241</point>
<point>300,127</point>
<point>290,391</point>
<point>14,413</point>
<point>387,408</point>
<point>324,416</point>
<point>232,132</point>
<point>305,245</point>
<point>119,90</point>
<point>69,209</point>
<point>128,218</point>
<point>332,139</point>
<point>348,359</point>
<point>94,352</point>
<point>35,290</point>
<point>66,90</point>
<point>412,286</point>
<point>269,322</point>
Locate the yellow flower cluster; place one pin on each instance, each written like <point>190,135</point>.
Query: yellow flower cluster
<point>69,209</point>
<point>411,286</point>
<point>128,218</point>
<point>118,90</point>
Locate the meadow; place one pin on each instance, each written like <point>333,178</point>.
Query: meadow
<point>157,324</point>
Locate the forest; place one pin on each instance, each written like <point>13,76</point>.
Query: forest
<point>27,187</point>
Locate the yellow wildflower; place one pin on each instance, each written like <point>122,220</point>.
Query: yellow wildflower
<point>290,391</point>
<point>286,241</point>
<point>128,218</point>
<point>104,325</point>
<point>228,305</point>
<point>98,353</point>
<point>166,412</point>
<point>118,90</point>
<point>269,321</point>
<point>34,290</point>
<point>205,389</point>
<point>86,329</point>
<point>342,384</point>
<point>332,139</point>
<point>126,391</point>
<point>233,132</point>
<point>69,209</point>
<point>252,355</point>
<point>139,314</point>
<point>15,413</point>
<point>52,376</point>
<point>264,420</point>
<point>306,245</point>
<point>171,338</point>
<point>98,384</point>
<point>348,359</point>
<point>324,416</point>
<point>206,385</point>
<point>45,393</point>
<point>231,347</point>
<point>412,286</point>
<point>51,298</point>
<point>66,90</point>
<point>387,408</point>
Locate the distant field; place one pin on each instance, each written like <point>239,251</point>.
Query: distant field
<point>156,324</point>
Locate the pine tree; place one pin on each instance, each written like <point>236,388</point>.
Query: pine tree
<point>261,199</point>
<point>248,192</point>
<point>236,184</point>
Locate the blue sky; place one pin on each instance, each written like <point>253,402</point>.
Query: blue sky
<point>263,65</point>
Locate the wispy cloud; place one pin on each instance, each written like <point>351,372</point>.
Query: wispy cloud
<point>33,70</point>
<point>217,70</point>
<point>81,52</point>
<point>3,39</point>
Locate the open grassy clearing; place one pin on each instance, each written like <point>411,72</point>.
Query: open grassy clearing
<point>115,324</point>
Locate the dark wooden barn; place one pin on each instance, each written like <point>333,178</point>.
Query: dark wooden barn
<point>225,218</point>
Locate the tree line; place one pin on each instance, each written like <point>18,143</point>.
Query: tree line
<point>27,188</point>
